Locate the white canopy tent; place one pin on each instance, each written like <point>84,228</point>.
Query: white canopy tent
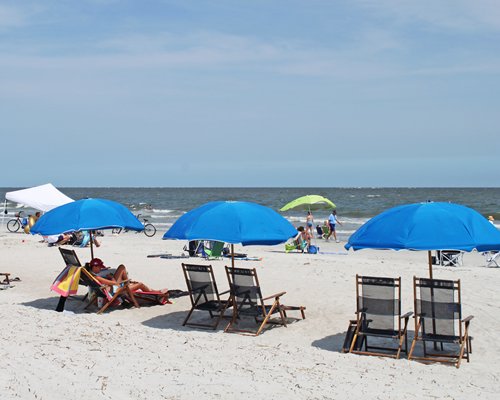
<point>43,197</point>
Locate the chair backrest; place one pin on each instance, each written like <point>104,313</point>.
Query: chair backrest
<point>245,288</point>
<point>215,249</point>
<point>70,257</point>
<point>378,301</point>
<point>438,305</point>
<point>200,281</point>
<point>88,279</point>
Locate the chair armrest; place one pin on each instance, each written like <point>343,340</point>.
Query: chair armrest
<point>468,319</point>
<point>274,296</point>
<point>407,315</point>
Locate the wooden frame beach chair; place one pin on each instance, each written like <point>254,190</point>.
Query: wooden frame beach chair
<point>110,298</point>
<point>204,295</point>
<point>247,300</point>
<point>97,290</point>
<point>378,314</point>
<point>6,280</point>
<point>438,319</point>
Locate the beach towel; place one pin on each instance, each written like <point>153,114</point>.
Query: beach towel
<point>66,283</point>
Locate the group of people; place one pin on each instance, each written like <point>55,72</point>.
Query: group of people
<point>305,235</point>
<point>328,229</point>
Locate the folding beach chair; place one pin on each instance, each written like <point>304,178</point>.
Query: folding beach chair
<point>438,319</point>
<point>247,301</point>
<point>203,293</point>
<point>378,315</point>
<point>297,244</point>
<point>451,258</point>
<point>96,290</point>
<point>492,258</point>
<point>214,251</point>
<point>6,280</point>
<point>194,248</point>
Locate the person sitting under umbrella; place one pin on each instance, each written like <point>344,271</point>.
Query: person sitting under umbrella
<point>114,277</point>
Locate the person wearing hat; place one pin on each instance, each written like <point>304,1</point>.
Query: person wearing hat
<point>114,277</point>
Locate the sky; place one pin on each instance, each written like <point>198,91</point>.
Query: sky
<point>258,93</point>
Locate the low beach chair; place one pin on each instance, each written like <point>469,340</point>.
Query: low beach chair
<point>203,293</point>
<point>451,258</point>
<point>214,251</point>
<point>297,244</point>
<point>378,315</point>
<point>6,280</point>
<point>492,258</point>
<point>247,300</point>
<point>95,289</point>
<point>438,319</point>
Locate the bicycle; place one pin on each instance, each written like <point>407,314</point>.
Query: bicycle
<point>149,228</point>
<point>13,225</point>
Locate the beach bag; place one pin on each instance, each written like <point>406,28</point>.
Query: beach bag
<point>312,249</point>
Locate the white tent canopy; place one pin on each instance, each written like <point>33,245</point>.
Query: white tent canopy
<point>43,197</point>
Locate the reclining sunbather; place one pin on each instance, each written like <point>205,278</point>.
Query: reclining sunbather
<point>114,277</point>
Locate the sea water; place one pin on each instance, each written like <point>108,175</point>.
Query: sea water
<point>163,206</point>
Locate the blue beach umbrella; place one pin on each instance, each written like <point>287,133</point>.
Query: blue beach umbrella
<point>86,215</point>
<point>232,222</point>
<point>427,226</point>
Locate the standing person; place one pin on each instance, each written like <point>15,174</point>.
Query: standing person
<point>310,223</point>
<point>332,221</point>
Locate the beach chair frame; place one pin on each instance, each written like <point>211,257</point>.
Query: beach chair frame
<point>124,291</point>
<point>203,294</point>
<point>378,314</point>
<point>492,258</point>
<point>6,280</point>
<point>451,258</point>
<point>430,297</point>
<point>247,300</point>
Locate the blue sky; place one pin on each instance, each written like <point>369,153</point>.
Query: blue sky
<point>250,93</point>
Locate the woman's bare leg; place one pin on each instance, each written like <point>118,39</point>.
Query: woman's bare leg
<point>121,273</point>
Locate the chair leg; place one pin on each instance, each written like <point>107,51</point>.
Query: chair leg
<point>188,316</point>
<point>417,329</point>
<point>264,322</point>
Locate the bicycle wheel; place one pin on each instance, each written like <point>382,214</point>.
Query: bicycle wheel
<point>13,225</point>
<point>116,231</point>
<point>149,230</point>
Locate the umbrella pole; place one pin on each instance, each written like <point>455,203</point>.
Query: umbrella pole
<point>232,255</point>
<point>429,256</point>
<point>91,246</point>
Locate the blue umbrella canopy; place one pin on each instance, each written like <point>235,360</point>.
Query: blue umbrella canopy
<point>427,226</point>
<point>86,214</point>
<point>232,222</point>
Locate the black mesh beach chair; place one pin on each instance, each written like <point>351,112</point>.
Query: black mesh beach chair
<point>378,315</point>
<point>203,294</point>
<point>248,301</point>
<point>438,319</point>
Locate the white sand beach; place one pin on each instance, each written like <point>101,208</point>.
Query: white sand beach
<point>147,354</point>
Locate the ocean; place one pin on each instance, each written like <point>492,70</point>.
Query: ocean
<point>162,206</point>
